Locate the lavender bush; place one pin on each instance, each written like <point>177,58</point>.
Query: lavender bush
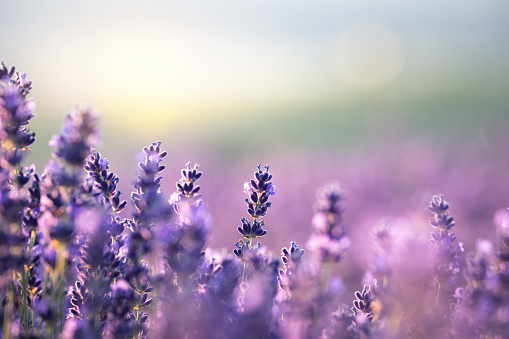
<point>75,264</point>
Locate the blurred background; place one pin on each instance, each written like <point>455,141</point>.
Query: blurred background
<point>395,100</point>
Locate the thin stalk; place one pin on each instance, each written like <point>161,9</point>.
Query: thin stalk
<point>58,288</point>
<point>438,293</point>
<point>25,276</point>
<point>323,286</point>
<point>24,301</point>
<point>244,273</point>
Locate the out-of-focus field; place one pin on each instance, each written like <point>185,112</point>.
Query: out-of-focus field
<point>395,102</point>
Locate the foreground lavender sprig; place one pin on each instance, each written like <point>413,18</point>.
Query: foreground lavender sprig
<point>328,240</point>
<point>186,240</point>
<point>296,290</point>
<point>483,305</point>
<point>446,266</point>
<point>106,182</point>
<point>259,190</point>
<point>99,266</point>
<point>152,210</point>
<point>327,244</point>
<point>292,258</point>
<point>186,187</point>
<point>16,111</point>
<point>362,312</point>
<point>100,260</point>
<point>66,196</point>
<point>18,237</point>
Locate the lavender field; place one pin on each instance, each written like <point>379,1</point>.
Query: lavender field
<point>395,240</point>
<point>254,169</point>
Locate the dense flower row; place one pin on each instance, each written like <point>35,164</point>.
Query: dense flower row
<point>74,265</point>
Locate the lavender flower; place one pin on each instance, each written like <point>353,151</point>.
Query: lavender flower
<point>441,219</point>
<point>446,258</point>
<point>72,146</point>
<point>382,243</point>
<point>253,230</point>
<point>152,210</point>
<point>120,305</point>
<point>9,75</point>
<point>363,306</point>
<point>291,259</point>
<point>15,114</point>
<point>64,197</point>
<point>100,264</point>
<point>329,240</point>
<point>483,305</point>
<point>216,315</point>
<point>244,251</point>
<point>298,295</point>
<point>105,182</point>
<point>259,190</point>
<point>185,244</point>
<point>149,203</point>
<point>15,247</point>
<point>186,186</point>
<point>292,256</point>
<point>79,133</point>
<point>185,239</point>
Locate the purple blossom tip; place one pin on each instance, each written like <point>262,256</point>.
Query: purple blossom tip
<point>248,187</point>
<point>103,162</point>
<point>175,198</point>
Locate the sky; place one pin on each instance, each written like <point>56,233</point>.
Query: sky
<point>227,71</point>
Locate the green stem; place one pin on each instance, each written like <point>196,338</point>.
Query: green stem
<point>25,276</point>
<point>24,301</point>
<point>58,288</point>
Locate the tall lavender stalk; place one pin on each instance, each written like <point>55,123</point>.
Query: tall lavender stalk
<point>183,242</point>
<point>152,209</point>
<point>260,284</point>
<point>259,190</point>
<point>446,265</point>
<point>327,244</point>
<point>65,196</point>
<point>100,263</point>
<point>483,305</point>
<point>15,205</point>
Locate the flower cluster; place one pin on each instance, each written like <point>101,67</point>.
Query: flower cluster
<point>259,191</point>
<point>105,182</point>
<point>329,240</point>
<point>446,265</point>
